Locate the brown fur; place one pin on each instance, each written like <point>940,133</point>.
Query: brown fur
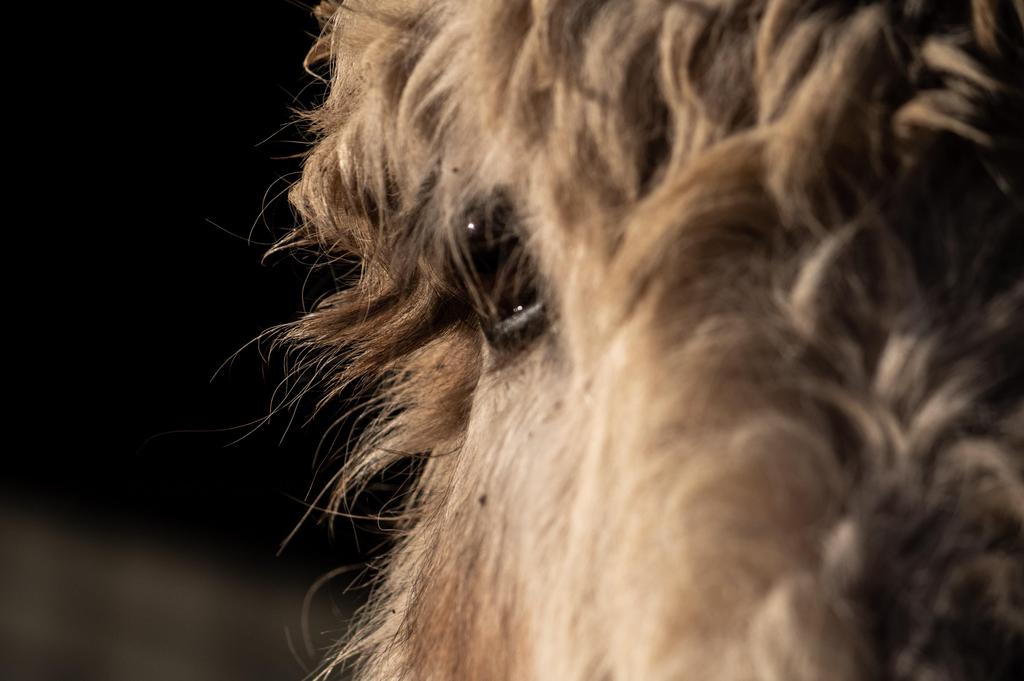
<point>774,428</point>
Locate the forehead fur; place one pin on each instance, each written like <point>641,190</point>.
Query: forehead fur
<point>592,112</point>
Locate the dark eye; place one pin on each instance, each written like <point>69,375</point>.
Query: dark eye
<point>500,279</point>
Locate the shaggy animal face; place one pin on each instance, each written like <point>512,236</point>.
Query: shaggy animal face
<point>707,320</point>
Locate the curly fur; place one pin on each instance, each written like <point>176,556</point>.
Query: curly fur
<point>775,430</point>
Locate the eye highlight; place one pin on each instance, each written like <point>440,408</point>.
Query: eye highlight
<point>499,278</point>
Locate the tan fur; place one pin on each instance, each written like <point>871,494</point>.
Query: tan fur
<point>776,240</point>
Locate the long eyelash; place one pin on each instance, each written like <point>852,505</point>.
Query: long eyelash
<point>488,259</point>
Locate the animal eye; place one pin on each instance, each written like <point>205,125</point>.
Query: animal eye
<point>500,278</point>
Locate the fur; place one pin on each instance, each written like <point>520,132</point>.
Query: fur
<point>774,427</point>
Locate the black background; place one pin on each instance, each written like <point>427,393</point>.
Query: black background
<point>158,394</point>
<point>160,140</point>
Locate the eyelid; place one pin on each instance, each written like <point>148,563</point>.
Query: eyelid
<point>520,319</point>
<point>517,329</point>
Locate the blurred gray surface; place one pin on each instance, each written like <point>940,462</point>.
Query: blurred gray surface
<point>85,599</point>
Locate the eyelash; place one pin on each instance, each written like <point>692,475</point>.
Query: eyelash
<point>499,278</point>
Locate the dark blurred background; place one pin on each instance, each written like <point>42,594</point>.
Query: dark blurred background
<point>145,492</point>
